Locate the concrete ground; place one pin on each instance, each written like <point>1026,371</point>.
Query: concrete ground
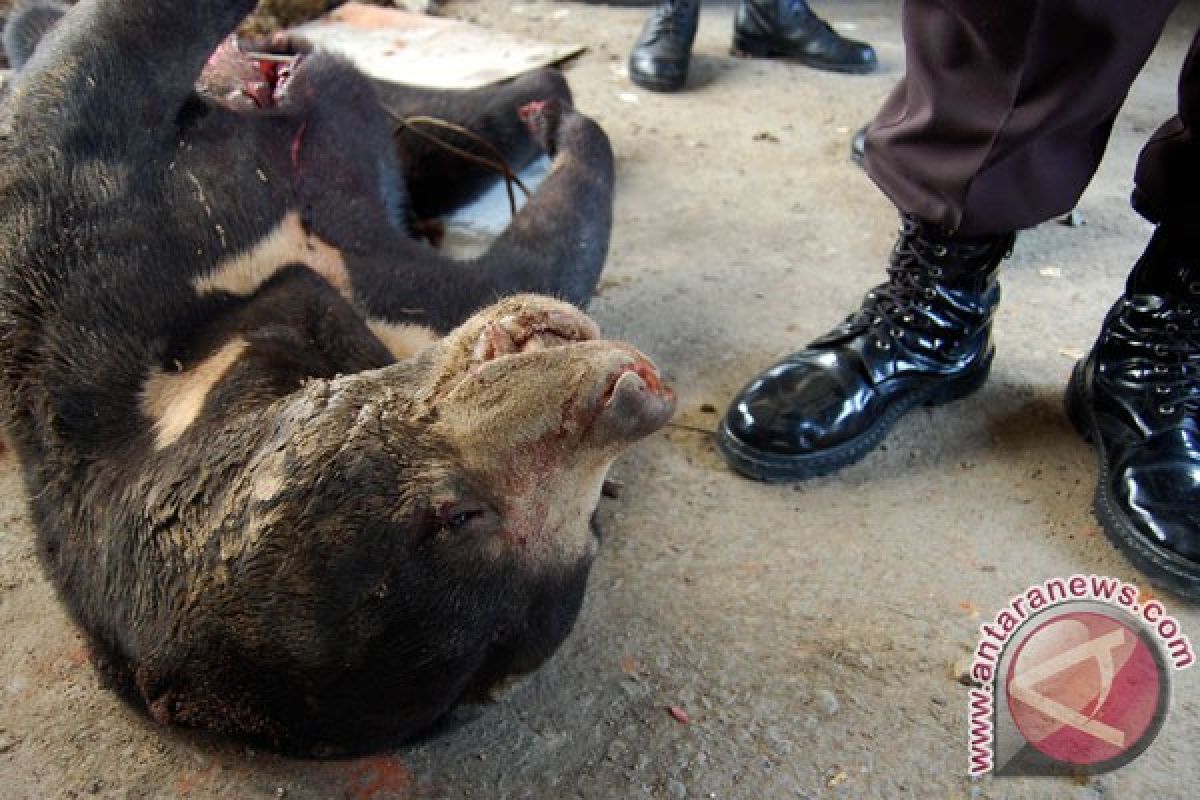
<point>811,633</point>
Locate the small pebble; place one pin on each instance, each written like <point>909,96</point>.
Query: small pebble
<point>1073,220</point>
<point>827,701</point>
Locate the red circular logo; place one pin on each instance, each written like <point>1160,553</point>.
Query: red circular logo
<point>1086,688</point>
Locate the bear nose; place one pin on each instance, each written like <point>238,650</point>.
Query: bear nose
<point>637,402</point>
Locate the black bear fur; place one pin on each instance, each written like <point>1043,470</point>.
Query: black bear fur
<point>279,508</point>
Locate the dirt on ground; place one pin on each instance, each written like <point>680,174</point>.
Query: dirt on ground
<point>739,640</point>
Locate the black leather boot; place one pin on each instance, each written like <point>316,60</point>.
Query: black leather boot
<point>924,337</point>
<point>858,147</point>
<point>1136,398</point>
<point>789,29</point>
<point>663,49</point>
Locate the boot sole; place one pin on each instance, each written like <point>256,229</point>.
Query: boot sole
<point>655,84</point>
<point>775,468</point>
<point>746,47</point>
<point>1161,565</point>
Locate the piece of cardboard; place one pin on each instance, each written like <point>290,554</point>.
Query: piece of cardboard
<point>420,50</point>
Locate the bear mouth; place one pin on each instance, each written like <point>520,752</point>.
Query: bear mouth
<point>248,80</point>
<point>275,77</point>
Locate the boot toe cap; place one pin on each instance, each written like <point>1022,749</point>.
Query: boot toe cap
<point>848,55</point>
<point>1156,485</point>
<point>800,407</point>
<point>657,73</point>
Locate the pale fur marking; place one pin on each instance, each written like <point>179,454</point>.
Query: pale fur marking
<point>174,399</point>
<point>403,340</point>
<point>289,243</point>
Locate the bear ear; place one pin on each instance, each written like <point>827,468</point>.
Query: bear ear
<point>27,26</point>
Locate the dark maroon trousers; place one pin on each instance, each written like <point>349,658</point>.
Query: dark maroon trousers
<point>1007,106</point>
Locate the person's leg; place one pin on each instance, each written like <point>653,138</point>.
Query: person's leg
<point>1168,170</point>
<point>999,124</point>
<point>663,50</point>
<point>1136,396</point>
<point>790,29</point>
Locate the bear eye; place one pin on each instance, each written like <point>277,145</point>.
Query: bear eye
<point>461,520</point>
<point>461,517</point>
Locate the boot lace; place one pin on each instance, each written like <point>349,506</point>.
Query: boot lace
<point>905,302</point>
<point>1161,339</point>
<point>672,17</point>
